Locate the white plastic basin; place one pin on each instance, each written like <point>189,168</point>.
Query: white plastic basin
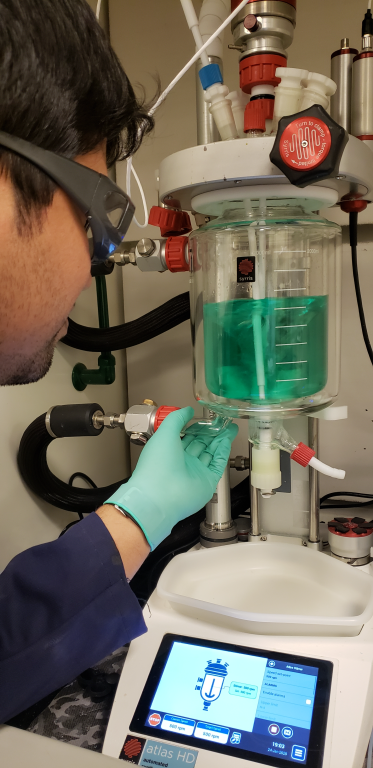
<point>270,589</point>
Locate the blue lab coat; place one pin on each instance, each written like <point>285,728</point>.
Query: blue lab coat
<point>63,607</point>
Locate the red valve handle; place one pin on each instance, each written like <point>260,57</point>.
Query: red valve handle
<point>170,222</point>
<point>162,412</point>
<point>175,254</point>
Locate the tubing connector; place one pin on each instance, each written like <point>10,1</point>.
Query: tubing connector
<point>317,90</point>
<point>289,93</point>
<point>271,434</point>
<point>221,110</point>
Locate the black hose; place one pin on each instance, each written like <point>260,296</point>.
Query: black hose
<point>33,467</point>
<point>353,244</point>
<point>165,317</point>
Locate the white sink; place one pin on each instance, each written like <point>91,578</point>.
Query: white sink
<point>271,589</point>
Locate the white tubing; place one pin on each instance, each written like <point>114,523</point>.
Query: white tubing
<point>193,25</point>
<point>339,474</point>
<point>196,56</point>
<point>98,9</point>
<point>130,169</point>
<point>213,13</point>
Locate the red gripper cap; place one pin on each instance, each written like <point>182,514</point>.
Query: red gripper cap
<point>161,414</point>
<point>256,114</point>
<point>169,221</point>
<point>302,454</point>
<point>353,206</point>
<point>175,254</point>
<point>260,69</point>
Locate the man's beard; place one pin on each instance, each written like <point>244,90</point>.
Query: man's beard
<point>27,371</point>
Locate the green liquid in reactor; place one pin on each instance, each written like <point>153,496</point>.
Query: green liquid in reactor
<point>283,342</point>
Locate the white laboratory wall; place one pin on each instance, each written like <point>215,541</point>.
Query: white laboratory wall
<point>152,39</point>
<point>26,520</point>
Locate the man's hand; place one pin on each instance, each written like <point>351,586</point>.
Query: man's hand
<point>174,477</point>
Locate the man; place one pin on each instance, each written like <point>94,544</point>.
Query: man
<point>67,604</point>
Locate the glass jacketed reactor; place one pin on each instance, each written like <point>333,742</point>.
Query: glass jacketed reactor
<point>266,305</point>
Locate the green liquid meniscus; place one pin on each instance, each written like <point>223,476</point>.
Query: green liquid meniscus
<point>281,342</point>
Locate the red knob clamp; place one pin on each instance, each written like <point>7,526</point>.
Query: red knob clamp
<point>175,254</point>
<point>162,412</point>
<point>169,221</point>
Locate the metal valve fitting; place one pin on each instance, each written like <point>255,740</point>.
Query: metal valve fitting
<point>140,422</point>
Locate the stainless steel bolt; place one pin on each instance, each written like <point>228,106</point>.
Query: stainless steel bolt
<point>146,246</point>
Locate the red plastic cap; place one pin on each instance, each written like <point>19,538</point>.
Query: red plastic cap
<point>175,254</point>
<point>302,454</point>
<point>162,412</point>
<point>260,69</point>
<point>256,114</point>
<point>305,143</point>
<point>353,206</point>
<point>169,221</point>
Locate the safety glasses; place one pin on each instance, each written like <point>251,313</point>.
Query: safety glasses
<point>109,211</point>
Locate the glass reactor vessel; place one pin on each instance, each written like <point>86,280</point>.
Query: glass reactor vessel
<point>265,310</point>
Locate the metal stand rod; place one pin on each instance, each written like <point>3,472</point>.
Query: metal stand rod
<point>254,505</point>
<point>207,132</point>
<point>313,441</point>
<point>218,510</point>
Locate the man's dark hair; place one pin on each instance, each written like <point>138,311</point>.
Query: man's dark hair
<point>61,87</point>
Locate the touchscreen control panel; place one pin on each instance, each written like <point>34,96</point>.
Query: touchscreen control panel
<point>236,700</point>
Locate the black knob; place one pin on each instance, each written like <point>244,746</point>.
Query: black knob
<point>308,146</point>
<point>74,420</point>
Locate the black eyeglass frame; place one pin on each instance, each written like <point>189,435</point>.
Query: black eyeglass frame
<point>95,194</point>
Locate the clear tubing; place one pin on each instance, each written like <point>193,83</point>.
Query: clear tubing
<point>193,25</point>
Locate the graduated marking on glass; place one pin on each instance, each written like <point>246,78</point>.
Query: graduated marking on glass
<point>230,362</point>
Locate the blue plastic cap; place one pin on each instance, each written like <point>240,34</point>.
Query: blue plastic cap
<point>210,75</point>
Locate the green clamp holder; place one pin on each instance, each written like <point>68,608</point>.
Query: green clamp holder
<point>105,373</point>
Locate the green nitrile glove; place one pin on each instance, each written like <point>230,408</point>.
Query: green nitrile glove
<point>174,477</point>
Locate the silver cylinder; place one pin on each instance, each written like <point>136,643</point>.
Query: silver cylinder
<point>273,32</point>
<point>341,73</point>
<point>313,442</point>
<point>362,95</point>
<point>254,506</point>
<point>207,132</point>
<point>350,548</point>
<point>218,510</point>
